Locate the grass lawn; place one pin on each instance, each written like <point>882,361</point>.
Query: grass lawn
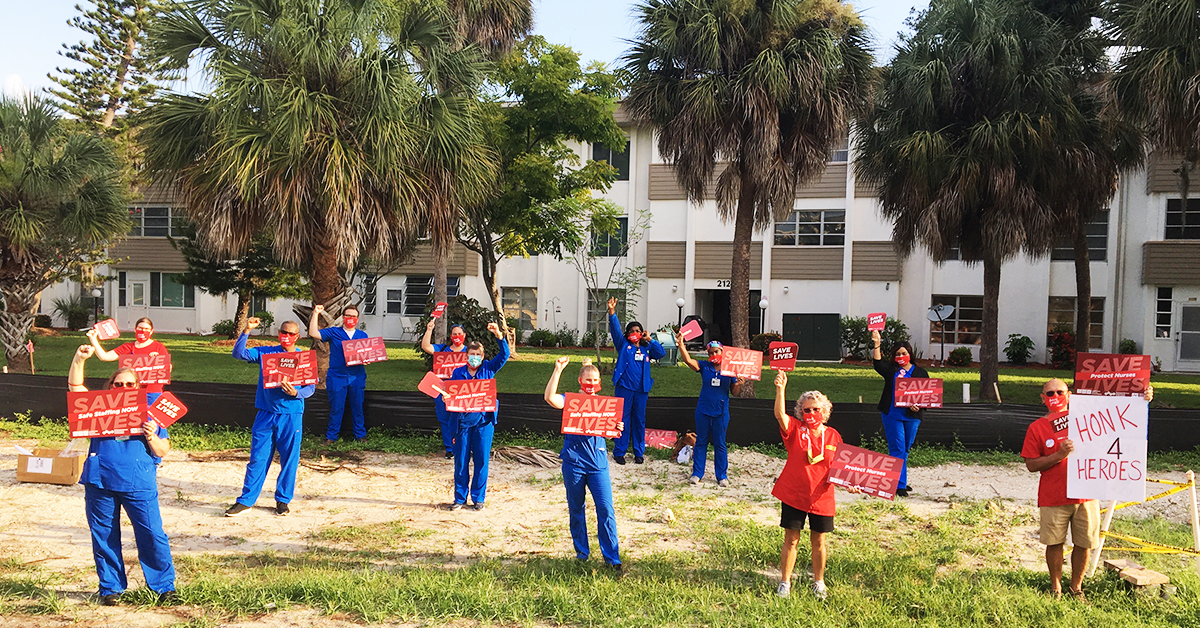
<point>196,358</point>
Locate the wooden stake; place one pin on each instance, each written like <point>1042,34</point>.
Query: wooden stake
<point>996,387</point>
<point>1191,477</point>
<point>1112,508</point>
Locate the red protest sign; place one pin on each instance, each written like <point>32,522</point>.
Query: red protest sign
<point>431,385</point>
<point>167,410</point>
<point>444,362</point>
<point>364,351</point>
<point>470,395</point>
<point>689,331</point>
<point>299,367</point>
<point>783,356</point>
<point>1109,374</point>
<point>150,369</point>
<point>115,412</point>
<point>439,310</point>
<point>876,321</point>
<point>855,467</point>
<point>921,392</point>
<point>662,439</point>
<point>592,415</point>
<point>106,329</point>
<point>744,363</point>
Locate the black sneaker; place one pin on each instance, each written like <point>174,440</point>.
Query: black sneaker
<point>619,459</point>
<point>281,509</point>
<point>456,506</point>
<point>478,506</point>
<point>618,571</point>
<point>638,460</point>
<point>236,509</point>
<point>112,599</point>
<point>168,598</point>
<point>449,455</point>
<point>902,492</point>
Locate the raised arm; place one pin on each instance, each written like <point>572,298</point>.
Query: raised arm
<point>426,345</point>
<point>551,396</point>
<point>876,340</point>
<point>781,414</point>
<point>239,348</point>
<point>684,355</point>
<point>314,322</point>
<point>501,357</point>
<point>102,353</point>
<point>614,325</point>
<point>75,372</point>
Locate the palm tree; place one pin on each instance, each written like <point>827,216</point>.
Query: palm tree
<point>974,120</point>
<point>61,203</point>
<point>769,85</point>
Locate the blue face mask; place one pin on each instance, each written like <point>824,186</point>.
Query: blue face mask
<point>474,361</point>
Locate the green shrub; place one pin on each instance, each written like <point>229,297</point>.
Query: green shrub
<point>566,337</point>
<point>225,328</point>
<point>265,321</point>
<point>856,339</point>
<point>762,342</point>
<point>474,319</point>
<point>541,338</point>
<point>960,357</point>
<point>1062,346</point>
<point>1018,349</point>
<point>42,320</point>
<point>1128,347</point>
<point>74,311</point>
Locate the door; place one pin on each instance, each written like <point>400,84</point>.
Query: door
<point>817,336</point>
<point>392,322</point>
<point>138,305</point>
<point>1189,338</point>
<point>719,319</point>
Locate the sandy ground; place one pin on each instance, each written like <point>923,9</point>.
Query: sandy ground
<point>526,515</point>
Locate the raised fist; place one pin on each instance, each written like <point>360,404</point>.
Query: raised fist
<point>612,305</point>
<point>781,380</point>
<point>494,329</point>
<point>429,326</point>
<point>561,363</point>
<point>318,308</point>
<point>875,338</point>
<point>252,322</point>
<point>84,352</point>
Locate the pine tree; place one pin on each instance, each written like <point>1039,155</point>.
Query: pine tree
<point>114,80</point>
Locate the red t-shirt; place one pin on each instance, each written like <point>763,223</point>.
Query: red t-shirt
<point>154,348</point>
<point>1042,439</point>
<point>803,485</point>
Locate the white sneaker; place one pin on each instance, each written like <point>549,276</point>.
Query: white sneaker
<point>693,480</point>
<point>723,483</point>
<point>819,590</point>
<point>784,589</point>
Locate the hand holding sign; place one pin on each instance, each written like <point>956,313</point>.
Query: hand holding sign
<point>691,330</point>
<point>106,329</point>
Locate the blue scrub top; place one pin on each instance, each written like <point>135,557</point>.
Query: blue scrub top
<point>487,370</point>
<point>122,464</point>
<point>714,390</point>
<point>339,374</point>
<point>271,399</point>
<point>584,453</point>
<point>633,361</point>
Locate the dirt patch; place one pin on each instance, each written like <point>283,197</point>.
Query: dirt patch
<point>45,332</point>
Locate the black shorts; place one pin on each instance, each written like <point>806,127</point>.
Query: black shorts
<point>793,519</point>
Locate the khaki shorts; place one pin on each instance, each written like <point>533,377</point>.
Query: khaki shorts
<point>1083,519</point>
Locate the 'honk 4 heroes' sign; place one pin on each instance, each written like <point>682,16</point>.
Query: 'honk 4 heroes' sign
<point>1109,461</point>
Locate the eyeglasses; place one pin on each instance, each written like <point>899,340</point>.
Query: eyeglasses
<point>1053,393</point>
<point>124,384</point>
<point>811,410</point>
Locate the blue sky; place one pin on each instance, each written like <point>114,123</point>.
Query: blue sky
<point>33,31</point>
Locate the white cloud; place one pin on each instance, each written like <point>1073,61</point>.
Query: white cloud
<point>14,86</point>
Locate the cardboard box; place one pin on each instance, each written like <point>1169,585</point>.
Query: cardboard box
<point>48,467</point>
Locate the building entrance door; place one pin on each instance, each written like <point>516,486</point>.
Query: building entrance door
<point>1189,338</point>
<point>817,336</point>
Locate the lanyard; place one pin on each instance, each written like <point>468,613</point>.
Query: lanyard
<point>808,446</point>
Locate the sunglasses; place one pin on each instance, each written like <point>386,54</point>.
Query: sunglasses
<point>124,385</point>
<point>1054,393</point>
<point>811,410</point>
<point>288,333</point>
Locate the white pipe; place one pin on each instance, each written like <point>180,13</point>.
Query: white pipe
<point>1112,508</point>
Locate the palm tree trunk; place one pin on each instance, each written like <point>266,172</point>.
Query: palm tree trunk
<point>1185,183</point>
<point>326,289</point>
<point>441,255</point>
<point>16,319</point>
<point>1083,291</point>
<point>243,312</point>
<point>739,275</point>
<point>989,355</point>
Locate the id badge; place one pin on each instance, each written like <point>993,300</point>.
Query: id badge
<point>638,356</point>
<point>716,381</point>
<point>121,439</point>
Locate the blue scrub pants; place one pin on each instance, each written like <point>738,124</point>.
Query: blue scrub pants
<point>104,521</point>
<point>447,423</point>
<point>901,431</point>
<point>635,423</point>
<point>711,429</point>
<point>338,397</point>
<point>472,444</point>
<point>151,397</point>
<point>273,432</point>
<point>576,480</point>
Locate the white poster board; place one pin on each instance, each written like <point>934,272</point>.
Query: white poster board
<point>1109,461</point>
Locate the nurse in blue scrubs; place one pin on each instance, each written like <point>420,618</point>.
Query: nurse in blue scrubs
<point>474,430</point>
<point>712,411</point>
<point>585,466</point>
<point>632,378</point>
<point>344,384</point>
<point>458,344</point>
<point>121,472</point>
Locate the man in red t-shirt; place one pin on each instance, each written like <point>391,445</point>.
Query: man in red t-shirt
<point>1045,451</point>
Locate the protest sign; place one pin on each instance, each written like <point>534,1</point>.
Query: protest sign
<point>661,439</point>
<point>691,330</point>
<point>439,310</point>
<point>299,367</point>
<point>876,321</point>
<point>592,415</point>
<point>106,329</point>
<point>115,412</point>
<point>876,474</point>
<point>1109,461</point>
<point>150,369</point>
<point>744,363</point>
<point>431,385</point>
<point>783,356</point>
<point>167,410</point>
<point>444,362</point>
<point>921,392</point>
<point>470,395</point>
<point>1108,374</point>
<point>364,351</point>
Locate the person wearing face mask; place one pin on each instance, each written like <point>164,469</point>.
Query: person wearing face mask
<point>121,473</point>
<point>635,349</point>
<point>458,344</point>
<point>343,384</point>
<point>142,344</point>
<point>585,467</point>
<point>712,411</point>
<point>474,430</point>
<point>899,424</point>
<point>803,488</point>
<point>277,426</point>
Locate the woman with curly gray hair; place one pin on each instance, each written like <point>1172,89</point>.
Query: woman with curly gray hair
<point>803,487</point>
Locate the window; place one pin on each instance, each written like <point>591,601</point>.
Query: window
<point>166,291</point>
<point>1062,312</point>
<point>611,244</point>
<point>121,281</point>
<point>395,301</point>
<point>417,291</point>
<point>138,290</point>
<point>1183,225</point>
<point>965,324</point>
<point>812,228</point>
<point>620,160</point>
<point>597,311</point>
<point>1097,238</point>
<point>521,304</point>
<point>840,152</point>
<point>1163,307</point>
<point>259,303</point>
<point>158,222</point>
<point>370,292</point>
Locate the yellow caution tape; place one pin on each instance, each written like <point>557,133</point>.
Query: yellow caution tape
<point>1179,488</point>
<point>1148,547</point>
<point>1171,482</point>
